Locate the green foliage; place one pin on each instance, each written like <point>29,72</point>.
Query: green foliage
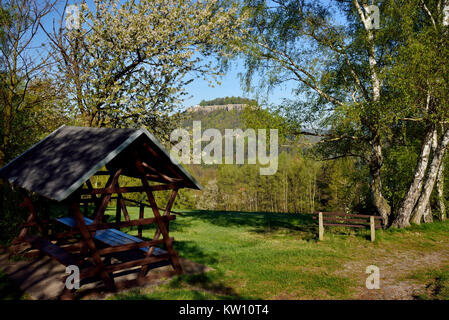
<point>300,185</point>
<point>266,118</point>
<point>129,62</point>
<point>217,119</point>
<point>228,100</point>
<point>437,283</point>
<point>398,171</point>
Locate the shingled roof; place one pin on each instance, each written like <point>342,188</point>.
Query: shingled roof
<point>59,164</point>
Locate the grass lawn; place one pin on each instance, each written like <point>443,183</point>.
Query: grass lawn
<point>276,256</point>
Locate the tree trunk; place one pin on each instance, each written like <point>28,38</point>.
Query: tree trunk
<point>2,157</point>
<point>431,177</point>
<point>375,165</point>
<point>428,214</point>
<point>412,196</point>
<point>440,193</point>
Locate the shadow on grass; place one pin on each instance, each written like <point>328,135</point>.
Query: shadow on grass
<point>260,222</point>
<point>190,250</point>
<point>302,226</point>
<point>209,282</point>
<point>204,286</point>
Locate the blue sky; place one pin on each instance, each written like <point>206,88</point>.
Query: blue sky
<point>230,85</point>
<point>199,89</point>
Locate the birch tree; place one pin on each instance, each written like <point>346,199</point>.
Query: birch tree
<point>338,67</point>
<point>420,74</point>
<point>361,81</point>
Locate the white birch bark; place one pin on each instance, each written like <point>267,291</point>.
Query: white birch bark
<point>413,193</point>
<point>376,157</point>
<point>431,178</point>
<point>440,193</point>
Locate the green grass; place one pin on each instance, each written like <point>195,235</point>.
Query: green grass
<point>273,256</point>
<point>437,283</point>
<point>277,256</point>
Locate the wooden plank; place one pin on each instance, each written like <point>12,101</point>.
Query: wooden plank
<point>107,197</point>
<point>163,176</point>
<point>51,250</point>
<point>89,272</point>
<point>114,237</point>
<point>345,225</point>
<point>139,262</point>
<point>361,221</point>
<point>146,204</point>
<point>156,155</point>
<point>163,229</point>
<point>133,189</point>
<point>111,236</point>
<point>170,203</point>
<point>130,246</point>
<point>105,276</point>
<point>141,216</point>
<point>349,215</point>
<point>132,223</point>
<point>101,226</point>
<point>118,212</point>
<point>125,211</point>
<point>32,218</point>
<point>157,234</point>
<point>122,205</point>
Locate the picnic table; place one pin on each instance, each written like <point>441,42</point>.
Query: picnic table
<point>60,168</point>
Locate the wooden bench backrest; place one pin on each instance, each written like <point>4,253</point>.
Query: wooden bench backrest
<point>340,218</point>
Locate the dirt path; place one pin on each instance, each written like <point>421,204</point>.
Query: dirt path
<point>395,269</point>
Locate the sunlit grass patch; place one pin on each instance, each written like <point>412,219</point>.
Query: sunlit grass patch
<point>437,283</point>
<point>275,256</point>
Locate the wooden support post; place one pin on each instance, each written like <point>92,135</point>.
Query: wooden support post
<point>161,225</point>
<point>32,218</point>
<point>170,203</point>
<point>105,276</point>
<point>320,226</point>
<point>141,216</point>
<point>372,228</point>
<point>118,212</point>
<point>121,202</point>
<point>107,197</point>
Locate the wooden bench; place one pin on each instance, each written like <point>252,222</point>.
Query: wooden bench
<point>111,237</point>
<point>52,250</point>
<point>343,219</point>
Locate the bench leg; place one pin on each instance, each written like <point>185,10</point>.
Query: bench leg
<point>372,228</point>
<point>320,226</point>
<point>162,228</point>
<point>106,277</point>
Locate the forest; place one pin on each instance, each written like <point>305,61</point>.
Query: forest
<point>227,100</point>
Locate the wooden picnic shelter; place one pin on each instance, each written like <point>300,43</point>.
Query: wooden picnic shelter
<point>60,168</point>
